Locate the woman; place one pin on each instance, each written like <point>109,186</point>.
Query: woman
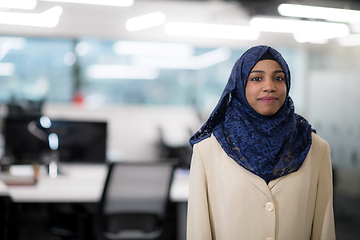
<point>258,170</point>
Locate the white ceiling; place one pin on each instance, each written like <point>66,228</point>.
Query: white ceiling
<point>80,20</point>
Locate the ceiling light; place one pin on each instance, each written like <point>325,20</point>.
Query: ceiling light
<point>164,62</point>
<point>321,41</point>
<point>211,31</point>
<point>330,14</point>
<point>145,21</point>
<point>322,32</point>
<point>48,18</point>
<point>213,57</point>
<point>122,72</point>
<point>18,4</point>
<point>350,40</point>
<point>274,24</point>
<point>318,36</point>
<point>117,3</point>
<point>355,28</point>
<point>153,48</point>
<point>194,62</point>
<point>304,31</point>
<point>267,24</point>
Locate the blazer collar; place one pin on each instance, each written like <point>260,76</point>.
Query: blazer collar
<point>260,183</point>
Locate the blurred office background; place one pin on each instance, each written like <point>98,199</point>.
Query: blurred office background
<point>153,70</point>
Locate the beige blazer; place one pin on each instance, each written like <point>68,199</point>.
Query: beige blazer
<point>227,202</point>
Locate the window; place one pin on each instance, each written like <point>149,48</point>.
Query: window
<point>35,69</point>
<point>114,72</point>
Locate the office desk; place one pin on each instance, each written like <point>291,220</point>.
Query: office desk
<point>4,191</point>
<point>78,183</point>
<point>83,183</point>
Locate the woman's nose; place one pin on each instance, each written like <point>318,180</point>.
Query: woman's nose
<point>269,85</point>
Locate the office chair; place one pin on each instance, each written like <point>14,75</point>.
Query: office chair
<point>134,201</point>
<point>7,220</point>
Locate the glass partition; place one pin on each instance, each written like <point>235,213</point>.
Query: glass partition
<point>114,72</point>
<point>35,69</point>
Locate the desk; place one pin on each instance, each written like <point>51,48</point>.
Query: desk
<point>77,183</point>
<point>4,191</point>
<point>81,183</point>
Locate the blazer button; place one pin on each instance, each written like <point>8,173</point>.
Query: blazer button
<point>269,206</point>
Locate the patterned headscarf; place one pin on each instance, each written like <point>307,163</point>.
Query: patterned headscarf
<point>268,146</point>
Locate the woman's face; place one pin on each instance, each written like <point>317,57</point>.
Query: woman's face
<point>266,87</point>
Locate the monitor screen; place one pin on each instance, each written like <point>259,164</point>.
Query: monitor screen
<point>27,141</point>
<point>22,145</point>
<point>80,141</point>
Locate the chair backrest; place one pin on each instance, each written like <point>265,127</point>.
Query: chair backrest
<point>135,189</point>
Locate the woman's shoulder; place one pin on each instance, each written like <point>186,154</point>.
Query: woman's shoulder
<point>319,146</point>
<point>210,150</point>
<point>317,140</point>
<point>208,145</point>
<point>207,142</point>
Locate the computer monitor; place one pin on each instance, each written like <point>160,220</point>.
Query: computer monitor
<point>27,141</point>
<point>21,144</point>
<point>80,141</point>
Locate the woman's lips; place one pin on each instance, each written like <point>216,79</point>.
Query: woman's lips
<point>268,99</point>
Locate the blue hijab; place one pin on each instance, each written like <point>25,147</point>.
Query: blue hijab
<point>268,146</point>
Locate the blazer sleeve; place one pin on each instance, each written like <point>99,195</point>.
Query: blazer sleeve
<point>198,222</point>
<point>323,223</point>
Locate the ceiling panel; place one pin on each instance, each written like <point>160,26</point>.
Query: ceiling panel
<point>80,20</point>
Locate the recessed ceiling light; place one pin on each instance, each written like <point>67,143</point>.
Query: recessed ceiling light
<point>145,21</point>
<point>330,14</point>
<point>18,4</point>
<point>48,18</point>
<point>211,30</point>
<point>153,48</point>
<point>117,3</point>
<point>191,62</point>
<point>350,40</point>
<point>304,31</point>
<point>122,72</point>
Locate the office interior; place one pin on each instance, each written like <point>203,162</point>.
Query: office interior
<point>74,71</point>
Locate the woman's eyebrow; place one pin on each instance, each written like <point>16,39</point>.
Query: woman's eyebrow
<point>257,71</point>
<point>261,71</point>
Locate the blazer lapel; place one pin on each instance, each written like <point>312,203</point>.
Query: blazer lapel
<point>272,183</point>
<point>258,182</point>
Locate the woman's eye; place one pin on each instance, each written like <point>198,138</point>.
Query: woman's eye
<point>256,79</point>
<point>280,79</point>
